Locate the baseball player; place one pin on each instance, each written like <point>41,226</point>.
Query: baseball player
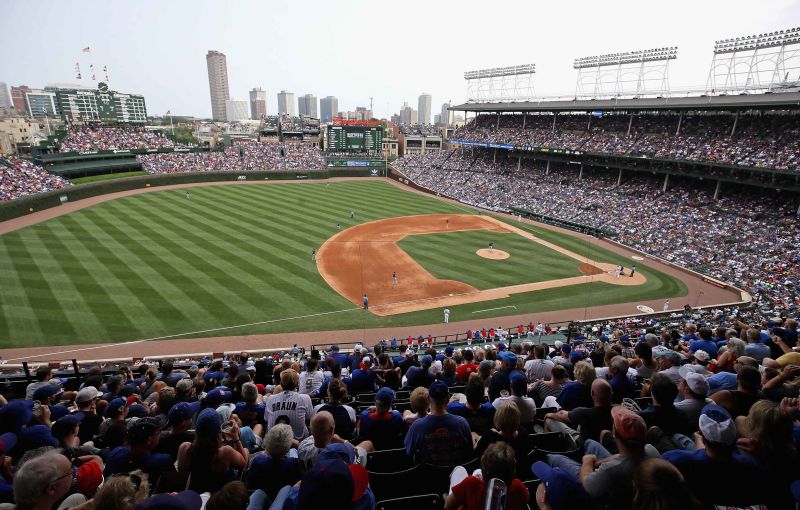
<point>491,247</point>
<point>338,227</point>
<point>365,299</point>
<point>666,305</point>
<point>188,195</point>
<point>446,315</point>
<point>617,271</point>
<point>633,270</point>
<point>314,254</point>
<point>394,277</point>
<point>352,214</point>
<point>446,223</point>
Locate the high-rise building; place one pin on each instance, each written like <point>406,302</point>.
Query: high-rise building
<point>235,110</point>
<point>329,107</point>
<point>286,103</point>
<point>445,116</point>
<point>258,103</point>
<point>18,98</point>
<point>307,105</point>
<point>363,113</point>
<point>5,98</point>
<point>424,108</point>
<point>408,115</point>
<point>218,83</point>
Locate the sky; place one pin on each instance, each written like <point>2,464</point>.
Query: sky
<point>353,49</point>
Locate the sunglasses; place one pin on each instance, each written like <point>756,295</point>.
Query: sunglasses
<point>135,479</point>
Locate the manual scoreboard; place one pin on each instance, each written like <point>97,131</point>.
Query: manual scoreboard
<point>355,138</point>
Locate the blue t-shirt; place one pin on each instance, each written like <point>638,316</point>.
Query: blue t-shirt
<point>362,381</point>
<point>575,395</point>
<point>711,479</point>
<point>384,430</point>
<point>269,475</point>
<point>418,376</point>
<point>757,351</point>
<point>443,440</point>
<point>250,413</point>
<point>704,345</point>
<point>367,501</point>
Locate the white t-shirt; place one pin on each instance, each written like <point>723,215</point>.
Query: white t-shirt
<point>526,405</point>
<point>310,382</point>
<point>536,369</point>
<point>292,408</point>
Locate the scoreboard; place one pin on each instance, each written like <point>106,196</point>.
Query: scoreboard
<point>355,138</point>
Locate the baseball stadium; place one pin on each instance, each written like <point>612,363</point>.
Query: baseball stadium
<point>304,312</point>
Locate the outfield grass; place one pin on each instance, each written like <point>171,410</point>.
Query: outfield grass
<point>451,256</point>
<point>159,264</point>
<point>106,177</point>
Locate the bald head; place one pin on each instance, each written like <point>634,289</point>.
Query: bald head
<point>322,428</point>
<point>601,392</point>
<point>745,361</point>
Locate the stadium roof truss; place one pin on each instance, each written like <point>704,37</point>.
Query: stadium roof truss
<point>499,84</point>
<point>756,63</point>
<point>631,73</point>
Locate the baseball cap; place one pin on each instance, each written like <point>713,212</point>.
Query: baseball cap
<point>438,391</point>
<point>46,392</point>
<point>62,427</point>
<point>333,484</point>
<point>7,442</point>
<point>115,407</point>
<point>225,411</point>
<point>628,425</point>
<point>603,338</point>
<point>87,394</point>
<point>180,412</point>
<point>519,384</point>
<point>17,414</point>
<point>208,422</point>
<point>716,425</point>
<point>426,360</point>
<point>564,491</point>
<point>141,430</point>
<point>138,411</point>
<point>669,354</point>
<point>186,500</point>
<point>566,349</point>
<point>342,451</point>
<point>449,350</point>
<point>696,382</point>
<point>334,347</point>
<point>508,357</point>
<point>385,396</point>
<point>218,396</point>
<point>575,356</point>
<point>501,346</point>
<point>36,436</point>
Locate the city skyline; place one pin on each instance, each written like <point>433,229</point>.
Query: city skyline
<point>157,52</point>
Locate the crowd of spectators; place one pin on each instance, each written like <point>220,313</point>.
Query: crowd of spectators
<point>103,138</point>
<point>656,414</point>
<point>748,238</point>
<point>764,141</point>
<point>241,156</point>
<point>20,177</point>
<point>419,129</point>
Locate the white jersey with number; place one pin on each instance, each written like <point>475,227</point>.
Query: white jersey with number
<point>292,408</point>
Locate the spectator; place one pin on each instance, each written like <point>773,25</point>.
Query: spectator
<point>552,387</point>
<point>382,426</point>
<point>420,376</point>
<point>464,370</point>
<point>343,415</point>
<point>738,401</point>
<point>270,471</point>
<point>143,437</point>
<point>657,485</point>
<point>507,429</point>
<point>122,491</point>
<point>519,389</point>
<point>693,388</point>
<point>584,423</point>
<point>43,481</point>
<point>290,406</point>
<point>576,393</point>
<point>311,379</point>
<point>439,438</point>
<point>419,405</point>
<point>479,414</point>
<point>501,379</point>
<point>469,492</point>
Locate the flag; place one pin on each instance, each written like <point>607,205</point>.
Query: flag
<point>86,50</point>
<point>167,112</point>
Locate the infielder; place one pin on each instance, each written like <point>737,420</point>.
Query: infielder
<point>394,277</point>
<point>365,299</point>
<point>633,270</point>
<point>338,227</point>
<point>617,271</point>
<point>189,195</point>
<point>666,305</point>
<point>491,246</point>
<point>446,315</point>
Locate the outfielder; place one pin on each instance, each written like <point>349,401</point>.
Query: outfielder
<point>446,315</point>
<point>314,254</point>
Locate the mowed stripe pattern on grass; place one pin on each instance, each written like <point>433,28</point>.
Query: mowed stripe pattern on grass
<point>451,256</point>
<point>159,263</point>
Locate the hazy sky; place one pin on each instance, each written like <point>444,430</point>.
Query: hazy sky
<point>392,51</point>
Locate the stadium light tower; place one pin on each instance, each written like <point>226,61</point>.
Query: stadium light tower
<point>640,72</point>
<point>513,83</point>
<point>763,62</point>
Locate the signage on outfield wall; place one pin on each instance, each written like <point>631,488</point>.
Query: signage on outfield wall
<point>301,176</point>
<point>63,198</point>
<point>241,178</point>
<point>374,172</point>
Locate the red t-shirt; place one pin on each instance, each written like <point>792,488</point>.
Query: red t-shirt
<point>463,371</point>
<point>471,494</point>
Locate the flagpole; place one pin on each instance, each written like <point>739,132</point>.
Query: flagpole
<point>171,126</point>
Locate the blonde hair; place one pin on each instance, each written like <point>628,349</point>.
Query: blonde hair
<point>290,379</point>
<point>584,373</point>
<point>119,492</point>
<point>419,399</point>
<point>507,417</point>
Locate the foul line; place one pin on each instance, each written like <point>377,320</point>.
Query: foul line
<point>131,342</point>
<point>498,308</point>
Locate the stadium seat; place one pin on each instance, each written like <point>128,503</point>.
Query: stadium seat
<point>421,502</point>
<point>532,485</point>
<point>644,402</point>
<point>433,479</point>
<point>388,461</point>
<point>394,485</point>
<point>555,442</point>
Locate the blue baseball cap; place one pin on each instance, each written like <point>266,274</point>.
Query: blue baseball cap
<point>508,357</point>
<point>186,500</point>
<point>426,360</point>
<point>208,422</point>
<point>334,347</point>
<point>7,442</point>
<point>575,356</point>
<point>115,407</point>
<point>341,451</point>
<point>46,392</point>
<point>501,346</point>
<point>603,338</point>
<point>716,425</point>
<point>449,350</point>
<point>564,491</point>
<point>62,427</point>
<point>566,349</point>
<point>218,396</point>
<point>180,412</point>
<point>137,411</point>
<point>36,436</point>
<point>332,483</point>
<point>438,391</point>
<point>17,414</point>
<point>519,384</point>
<point>385,396</point>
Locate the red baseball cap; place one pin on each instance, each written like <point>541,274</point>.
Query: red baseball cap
<point>628,425</point>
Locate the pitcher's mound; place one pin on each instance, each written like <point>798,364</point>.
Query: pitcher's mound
<point>492,254</point>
